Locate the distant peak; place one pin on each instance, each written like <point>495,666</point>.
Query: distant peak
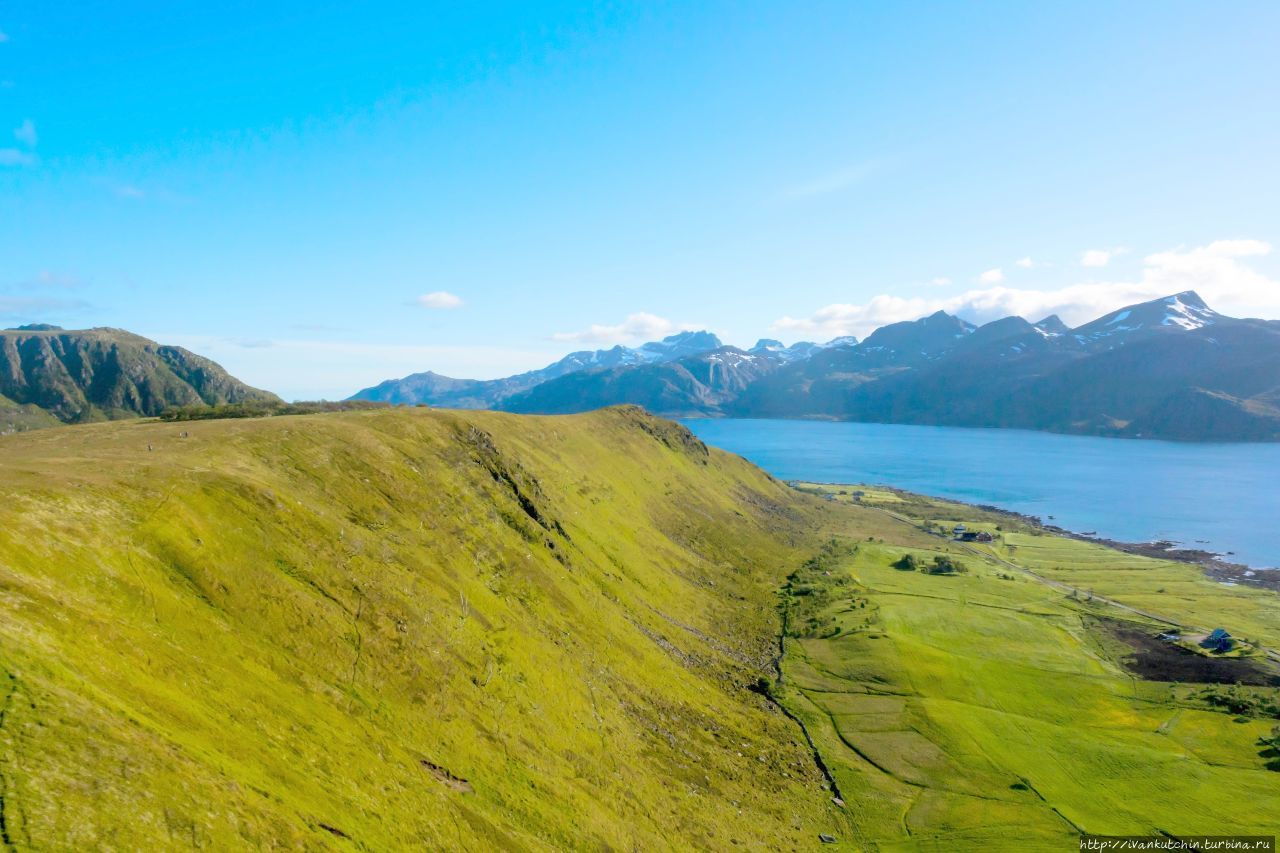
<point>1053,325</point>
<point>1188,297</point>
<point>37,327</point>
<point>699,337</point>
<point>766,344</point>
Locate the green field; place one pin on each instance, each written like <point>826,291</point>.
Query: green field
<point>987,709</point>
<point>419,629</point>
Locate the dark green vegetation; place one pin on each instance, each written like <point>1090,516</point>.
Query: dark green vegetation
<point>1170,368</point>
<point>397,629</point>
<point>49,375</point>
<point>267,409</point>
<point>1002,708</point>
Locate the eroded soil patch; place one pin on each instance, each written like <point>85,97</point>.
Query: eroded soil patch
<point>1154,659</point>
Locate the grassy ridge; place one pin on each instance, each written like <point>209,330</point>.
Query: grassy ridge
<point>396,629</point>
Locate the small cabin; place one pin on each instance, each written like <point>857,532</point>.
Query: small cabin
<point>958,531</point>
<point>1218,641</point>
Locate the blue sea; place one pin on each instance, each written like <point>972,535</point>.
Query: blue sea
<point>1218,497</point>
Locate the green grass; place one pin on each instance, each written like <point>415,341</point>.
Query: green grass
<point>417,629</point>
<point>983,711</point>
<point>242,637</point>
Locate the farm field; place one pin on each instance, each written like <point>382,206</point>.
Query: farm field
<point>988,709</point>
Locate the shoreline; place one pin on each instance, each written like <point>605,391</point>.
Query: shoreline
<point>1214,565</point>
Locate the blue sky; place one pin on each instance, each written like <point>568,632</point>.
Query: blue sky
<point>280,185</point>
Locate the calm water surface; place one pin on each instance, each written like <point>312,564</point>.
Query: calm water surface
<point>1220,497</point>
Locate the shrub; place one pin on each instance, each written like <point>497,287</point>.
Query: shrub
<point>942,565</point>
<point>266,409</point>
<point>907,563</point>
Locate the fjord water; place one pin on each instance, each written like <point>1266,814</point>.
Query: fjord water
<point>1219,497</point>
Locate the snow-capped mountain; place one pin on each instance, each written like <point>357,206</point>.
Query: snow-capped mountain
<point>1183,312</point>
<point>1170,367</point>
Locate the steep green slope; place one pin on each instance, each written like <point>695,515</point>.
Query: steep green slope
<point>397,629</point>
<point>105,374</point>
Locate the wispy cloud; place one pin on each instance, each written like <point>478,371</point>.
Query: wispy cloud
<point>1217,271</point>
<point>37,307</point>
<point>992,276</point>
<point>440,299</point>
<point>1025,263</point>
<point>940,281</point>
<point>834,181</point>
<point>639,326</point>
<point>1100,257</point>
<point>26,133</point>
<point>48,279</point>
<point>16,157</point>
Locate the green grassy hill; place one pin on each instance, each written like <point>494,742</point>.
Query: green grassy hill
<point>392,630</point>
<point>421,629</point>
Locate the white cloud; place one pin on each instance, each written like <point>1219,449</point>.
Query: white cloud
<point>1216,271</point>
<point>1100,257</point>
<point>440,299</point>
<point>992,276</point>
<point>15,157</point>
<point>640,326</point>
<point>846,319</point>
<point>1025,263</point>
<point>940,281</point>
<point>26,133</point>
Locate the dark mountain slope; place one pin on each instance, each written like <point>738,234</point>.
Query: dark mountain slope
<point>105,374</point>
<point>699,384</point>
<point>1127,373</point>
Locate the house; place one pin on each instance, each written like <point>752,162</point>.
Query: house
<point>1218,641</point>
<point>984,536</point>
<point>958,531</point>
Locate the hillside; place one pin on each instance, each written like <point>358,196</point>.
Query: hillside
<point>396,629</point>
<point>50,375</point>
<point>419,629</point>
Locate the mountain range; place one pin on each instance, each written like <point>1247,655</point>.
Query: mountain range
<point>1170,368</point>
<point>49,375</point>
